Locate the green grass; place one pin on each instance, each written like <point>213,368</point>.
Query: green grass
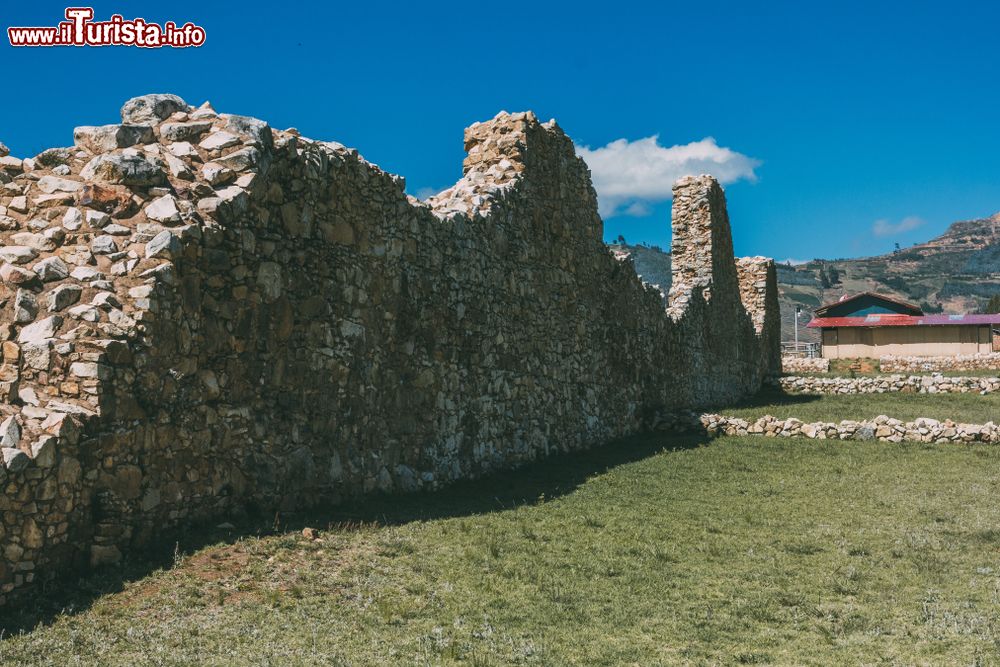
<point>650,551</point>
<point>963,408</point>
<point>842,368</point>
<point>848,373</point>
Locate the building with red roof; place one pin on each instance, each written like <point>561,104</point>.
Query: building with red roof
<point>875,325</point>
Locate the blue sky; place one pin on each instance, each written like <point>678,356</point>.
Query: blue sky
<point>862,124</point>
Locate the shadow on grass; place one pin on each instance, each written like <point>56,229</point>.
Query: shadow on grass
<point>551,477</point>
<point>769,396</point>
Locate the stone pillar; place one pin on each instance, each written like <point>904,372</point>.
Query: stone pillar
<point>702,246</point>
<point>759,293</point>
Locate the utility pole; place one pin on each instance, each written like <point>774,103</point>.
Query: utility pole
<point>798,309</point>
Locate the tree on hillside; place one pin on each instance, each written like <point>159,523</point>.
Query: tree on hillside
<point>834,275</point>
<point>620,240</point>
<point>824,280</point>
<point>993,305</point>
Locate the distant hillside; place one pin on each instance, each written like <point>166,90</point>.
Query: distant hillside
<point>956,272</point>
<point>652,263</point>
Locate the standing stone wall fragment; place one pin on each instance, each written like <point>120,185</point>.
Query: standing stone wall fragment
<point>215,314</point>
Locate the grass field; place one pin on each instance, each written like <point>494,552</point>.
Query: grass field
<point>869,368</point>
<point>845,374</point>
<point>651,551</point>
<point>963,408</point>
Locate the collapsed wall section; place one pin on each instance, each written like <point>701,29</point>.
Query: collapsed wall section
<point>205,315</point>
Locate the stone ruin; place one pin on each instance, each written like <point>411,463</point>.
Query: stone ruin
<point>202,315</point>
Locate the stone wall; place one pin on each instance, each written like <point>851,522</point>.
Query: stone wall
<point>805,365</point>
<point>880,384</point>
<point>964,362</point>
<point>203,315</point>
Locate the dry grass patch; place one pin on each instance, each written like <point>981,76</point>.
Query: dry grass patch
<point>652,551</point>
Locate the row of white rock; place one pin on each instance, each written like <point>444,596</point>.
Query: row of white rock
<point>805,365</point>
<point>962,362</point>
<point>918,384</point>
<point>880,428</point>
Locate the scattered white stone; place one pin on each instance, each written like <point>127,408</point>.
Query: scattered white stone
<point>216,174</point>
<point>36,354</point>
<point>64,296</point>
<point>25,306</point>
<point>40,330</point>
<point>178,168</point>
<point>18,204</point>
<point>34,240</point>
<point>104,138</point>
<point>182,149</point>
<point>150,109</point>
<point>16,275</point>
<point>85,274</point>
<point>16,254</point>
<point>219,140</point>
<point>106,301</point>
<point>165,245</point>
<point>28,396</point>
<point>117,230</point>
<point>164,210</point>
<point>72,219</point>
<point>43,451</point>
<point>51,269</point>
<point>103,245</point>
<point>89,369</point>
<point>10,432</point>
<point>177,132</point>
<point>85,312</point>
<point>14,459</point>
<point>129,167</point>
<point>52,184</point>
<point>97,219</point>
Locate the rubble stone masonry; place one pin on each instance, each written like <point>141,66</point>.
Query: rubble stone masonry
<point>203,314</point>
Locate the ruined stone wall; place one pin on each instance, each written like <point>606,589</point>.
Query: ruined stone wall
<point>204,314</point>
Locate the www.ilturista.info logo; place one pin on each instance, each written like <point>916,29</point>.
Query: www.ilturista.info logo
<point>79,29</point>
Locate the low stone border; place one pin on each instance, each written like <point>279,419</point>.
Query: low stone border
<point>987,361</point>
<point>880,428</point>
<point>917,384</point>
<point>804,365</point>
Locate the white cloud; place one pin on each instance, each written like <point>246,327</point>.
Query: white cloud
<point>886,228</point>
<point>638,209</point>
<point>793,261</point>
<point>628,175</point>
<point>425,192</point>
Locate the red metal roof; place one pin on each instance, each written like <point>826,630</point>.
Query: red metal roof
<point>903,321</point>
<point>915,310</point>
